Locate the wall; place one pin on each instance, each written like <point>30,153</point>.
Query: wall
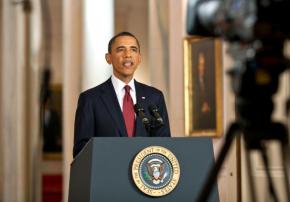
<point>158,39</point>
<point>56,37</point>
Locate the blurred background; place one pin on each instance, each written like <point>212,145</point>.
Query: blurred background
<point>50,51</point>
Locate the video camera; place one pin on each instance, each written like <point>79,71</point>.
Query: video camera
<point>239,20</point>
<point>256,31</point>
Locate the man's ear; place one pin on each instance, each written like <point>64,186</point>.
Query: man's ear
<point>108,58</point>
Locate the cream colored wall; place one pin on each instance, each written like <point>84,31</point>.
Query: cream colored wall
<point>56,22</point>
<point>158,43</point>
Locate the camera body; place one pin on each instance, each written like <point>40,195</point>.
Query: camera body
<point>239,20</point>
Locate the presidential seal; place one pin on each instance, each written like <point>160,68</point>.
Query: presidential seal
<point>155,171</point>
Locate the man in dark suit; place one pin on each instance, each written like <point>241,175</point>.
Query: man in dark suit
<point>107,110</point>
<point>205,100</point>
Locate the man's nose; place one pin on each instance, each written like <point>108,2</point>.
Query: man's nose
<point>127,53</point>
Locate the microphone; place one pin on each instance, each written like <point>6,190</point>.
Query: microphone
<point>155,113</point>
<point>141,113</point>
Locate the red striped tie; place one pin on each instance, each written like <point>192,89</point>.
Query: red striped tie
<point>128,112</point>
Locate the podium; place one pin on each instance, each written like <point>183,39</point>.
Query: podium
<point>102,171</point>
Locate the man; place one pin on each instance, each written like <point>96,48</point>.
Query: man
<point>107,110</point>
<point>205,110</point>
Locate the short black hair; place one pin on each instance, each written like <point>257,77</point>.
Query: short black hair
<point>112,40</point>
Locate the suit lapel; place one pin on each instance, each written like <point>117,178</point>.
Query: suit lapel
<point>110,100</point>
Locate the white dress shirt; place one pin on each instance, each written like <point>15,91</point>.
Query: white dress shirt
<point>120,90</point>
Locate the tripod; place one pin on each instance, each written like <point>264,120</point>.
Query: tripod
<point>255,138</point>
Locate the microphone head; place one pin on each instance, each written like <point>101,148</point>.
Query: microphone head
<point>154,112</point>
<point>138,108</point>
<point>153,108</point>
<point>145,121</point>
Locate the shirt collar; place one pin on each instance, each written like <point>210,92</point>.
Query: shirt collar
<point>119,85</point>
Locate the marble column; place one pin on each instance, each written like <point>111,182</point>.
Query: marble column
<point>158,34</point>
<point>177,13</point>
<point>72,62</point>
<point>18,105</point>
<point>13,129</point>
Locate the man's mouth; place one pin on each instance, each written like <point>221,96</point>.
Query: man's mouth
<point>127,63</point>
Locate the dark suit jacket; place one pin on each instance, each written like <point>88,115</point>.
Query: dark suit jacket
<point>99,114</point>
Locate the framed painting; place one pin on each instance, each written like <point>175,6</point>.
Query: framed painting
<point>203,86</point>
<point>52,124</point>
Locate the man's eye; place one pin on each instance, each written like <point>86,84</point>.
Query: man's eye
<point>120,49</point>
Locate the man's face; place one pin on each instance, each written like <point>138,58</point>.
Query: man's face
<point>201,64</point>
<point>124,57</point>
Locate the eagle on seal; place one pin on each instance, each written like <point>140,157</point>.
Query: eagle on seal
<point>155,168</point>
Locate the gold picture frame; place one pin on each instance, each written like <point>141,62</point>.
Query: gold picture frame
<point>203,86</point>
